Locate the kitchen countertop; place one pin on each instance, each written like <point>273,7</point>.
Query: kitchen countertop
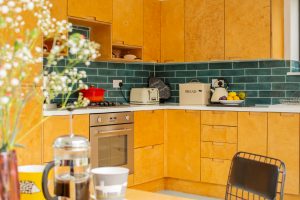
<point>124,108</point>
<point>142,195</point>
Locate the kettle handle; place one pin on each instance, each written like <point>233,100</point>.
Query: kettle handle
<point>45,189</point>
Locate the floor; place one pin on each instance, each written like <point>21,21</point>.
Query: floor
<point>185,195</point>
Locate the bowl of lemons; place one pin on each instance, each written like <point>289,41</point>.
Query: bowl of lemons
<point>233,98</point>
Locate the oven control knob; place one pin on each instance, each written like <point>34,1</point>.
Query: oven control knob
<point>127,117</point>
<point>99,119</point>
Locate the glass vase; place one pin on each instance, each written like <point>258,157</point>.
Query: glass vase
<point>9,183</point>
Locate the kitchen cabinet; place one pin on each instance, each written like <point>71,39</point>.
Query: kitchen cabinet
<point>215,171</point>
<point>152,17</point>
<point>128,22</point>
<point>172,31</point>
<point>218,150</point>
<point>148,163</point>
<point>204,30</point>
<point>253,132</point>
<point>221,134</point>
<point>220,118</point>
<point>183,144</point>
<point>99,10</point>
<point>148,128</point>
<point>283,143</point>
<point>59,9</point>
<point>247,29</point>
<point>30,131</point>
<point>56,126</point>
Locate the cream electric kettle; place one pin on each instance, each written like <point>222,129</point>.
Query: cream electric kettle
<point>219,90</point>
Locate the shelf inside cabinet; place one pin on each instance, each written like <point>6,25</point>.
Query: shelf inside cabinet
<point>100,32</point>
<point>120,50</point>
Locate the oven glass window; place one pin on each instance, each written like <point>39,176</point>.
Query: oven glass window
<point>112,151</point>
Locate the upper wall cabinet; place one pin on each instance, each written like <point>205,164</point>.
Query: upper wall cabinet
<point>152,14</point>
<point>59,9</point>
<point>100,10</point>
<point>128,22</point>
<point>204,30</point>
<point>172,31</point>
<point>248,30</point>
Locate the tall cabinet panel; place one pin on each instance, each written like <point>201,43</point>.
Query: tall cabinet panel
<point>172,31</point>
<point>247,29</point>
<point>183,144</point>
<point>152,16</point>
<point>128,22</point>
<point>204,30</point>
<point>283,143</point>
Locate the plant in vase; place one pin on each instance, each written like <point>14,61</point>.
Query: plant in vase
<point>23,26</point>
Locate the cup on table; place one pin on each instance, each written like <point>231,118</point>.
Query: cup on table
<point>110,183</point>
<point>30,179</point>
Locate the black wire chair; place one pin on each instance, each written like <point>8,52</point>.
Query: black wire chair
<point>256,177</point>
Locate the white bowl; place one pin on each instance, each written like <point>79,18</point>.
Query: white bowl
<point>129,57</point>
<point>231,102</point>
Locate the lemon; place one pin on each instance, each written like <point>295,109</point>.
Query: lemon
<point>232,94</point>
<point>236,98</point>
<point>229,98</point>
<point>242,95</point>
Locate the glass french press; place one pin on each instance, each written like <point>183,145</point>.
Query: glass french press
<point>71,168</point>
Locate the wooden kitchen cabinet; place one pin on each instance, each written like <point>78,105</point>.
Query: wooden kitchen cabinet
<point>99,10</point>
<point>128,22</point>
<point>148,163</point>
<point>59,9</point>
<point>148,128</point>
<point>283,143</point>
<point>172,31</point>
<point>219,118</point>
<point>214,171</point>
<point>183,144</point>
<point>253,132</point>
<point>56,126</point>
<point>152,17</point>
<point>220,134</point>
<point>247,29</point>
<point>218,150</point>
<point>204,30</point>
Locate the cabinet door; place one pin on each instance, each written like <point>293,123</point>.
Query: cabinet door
<point>128,22</point>
<point>56,126</point>
<point>214,171</point>
<point>148,164</point>
<point>30,132</point>
<point>219,118</point>
<point>148,128</point>
<point>152,14</point>
<point>283,143</point>
<point>59,9</point>
<point>183,144</point>
<point>253,132</point>
<point>100,10</point>
<point>247,29</point>
<point>172,31</point>
<point>204,30</point>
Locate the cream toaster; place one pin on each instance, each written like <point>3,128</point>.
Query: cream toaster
<point>144,96</point>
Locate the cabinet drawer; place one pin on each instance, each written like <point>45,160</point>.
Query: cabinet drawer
<point>223,118</point>
<point>214,170</point>
<point>224,134</point>
<point>218,150</point>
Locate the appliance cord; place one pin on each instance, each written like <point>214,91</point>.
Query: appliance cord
<point>122,92</point>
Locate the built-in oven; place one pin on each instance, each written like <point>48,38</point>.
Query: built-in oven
<point>111,136</point>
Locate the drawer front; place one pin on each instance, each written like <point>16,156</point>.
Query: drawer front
<point>223,118</point>
<point>223,134</point>
<point>218,150</point>
<point>214,171</point>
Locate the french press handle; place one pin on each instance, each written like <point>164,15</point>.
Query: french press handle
<point>45,189</point>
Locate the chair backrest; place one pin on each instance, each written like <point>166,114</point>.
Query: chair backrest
<point>255,176</point>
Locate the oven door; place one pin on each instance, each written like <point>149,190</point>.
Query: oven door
<point>112,146</point>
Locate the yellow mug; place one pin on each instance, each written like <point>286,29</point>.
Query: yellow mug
<point>30,178</point>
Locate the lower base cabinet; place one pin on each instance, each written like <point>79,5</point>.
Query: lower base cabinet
<point>214,171</point>
<point>148,163</point>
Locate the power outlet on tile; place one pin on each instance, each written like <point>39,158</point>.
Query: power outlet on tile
<point>116,83</point>
<point>214,82</point>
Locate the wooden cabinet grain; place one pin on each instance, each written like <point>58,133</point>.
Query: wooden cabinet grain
<point>204,30</point>
<point>59,9</point>
<point>247,29</point>
<point>214,171</point>
<point>148,128</point>
<point>253,132</point>
<point>219,118</point>
<point>148,163</point>
<point>100,10</point>
<point>172,31</point>
<point>128,22</point>
<point>183,144</point>
<point>283,143</point>
<point>57,126</point>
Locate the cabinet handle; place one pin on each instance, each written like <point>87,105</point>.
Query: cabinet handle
<point>218,127</point>
<point>256,113</point>
<point>218,112</point>
<point>191,111</point>
<point>217,160</point>
<point>149,147</point>
<point>90,18</point>
<point>218,143</point>
<point>287,114</point>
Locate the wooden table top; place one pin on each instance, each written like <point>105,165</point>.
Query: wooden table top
<point>142,195</point>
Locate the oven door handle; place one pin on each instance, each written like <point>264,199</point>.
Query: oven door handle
<point>114,131</point>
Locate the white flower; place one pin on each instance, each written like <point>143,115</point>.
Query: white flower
<point>4,100</point>
<point>7,66</point>
<point>30,6</point>
<point>11,3</point>
<point>4,9</point>
<point>87,63</point>
<point>15,82</point>
<point>3,73</point>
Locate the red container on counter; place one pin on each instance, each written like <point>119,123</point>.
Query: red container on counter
<point>94,94</point>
